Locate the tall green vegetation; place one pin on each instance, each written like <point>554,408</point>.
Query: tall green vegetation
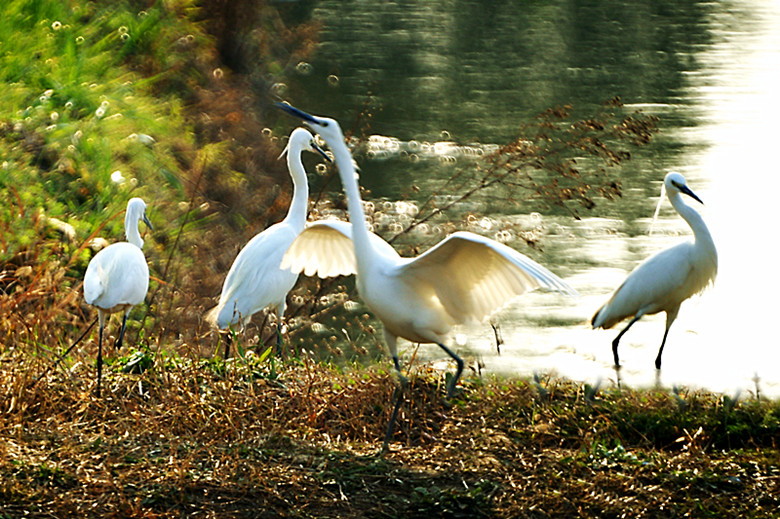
<point>78,106</point>
<point>104,100</point>
<point>91,115</point>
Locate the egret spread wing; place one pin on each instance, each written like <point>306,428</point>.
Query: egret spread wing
<point>474,276</point>
<point>325,248</point>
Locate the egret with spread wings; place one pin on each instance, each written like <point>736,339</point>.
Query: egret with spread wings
<point>464,278</point>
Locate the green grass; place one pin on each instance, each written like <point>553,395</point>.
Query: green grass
<point>93,113</point>
<point>74,107</point>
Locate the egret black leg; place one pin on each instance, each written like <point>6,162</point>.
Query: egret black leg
<point>451,387</point>
<point>618,378</point>
<point>279,338</point>
<point>498,336</point>
<point>100,356</point>
<point>398,398</point>
<point>617,340</point>
<point>228,341</point>
<point>397,364</point>
<point>661,350</point>
<point>121,333</point>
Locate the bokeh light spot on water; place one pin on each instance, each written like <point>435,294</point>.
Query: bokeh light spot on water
<point>319,328</point>
<point>279,89</point>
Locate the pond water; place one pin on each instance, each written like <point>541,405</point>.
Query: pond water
<point>473,71</point>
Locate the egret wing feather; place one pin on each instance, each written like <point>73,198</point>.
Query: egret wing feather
<point>662,282</point>
<point>325,248</point>
<point>117,275</point>
<point>94,281</point>
<point>255,279</point>
<point>474,276</point>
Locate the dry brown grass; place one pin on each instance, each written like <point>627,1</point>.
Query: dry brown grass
<point>204,439</point>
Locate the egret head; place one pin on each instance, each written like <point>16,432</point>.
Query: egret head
<point>675,183</point>
<point>301,139</point>
<point>136,211</point>
<point>328,129</point>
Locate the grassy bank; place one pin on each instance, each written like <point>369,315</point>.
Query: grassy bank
<point>205,439</point>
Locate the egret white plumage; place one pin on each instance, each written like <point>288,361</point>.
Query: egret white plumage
<point>117,277</point>
<point>665,280</point>
<point>464,278</point>
<point>255,280</point>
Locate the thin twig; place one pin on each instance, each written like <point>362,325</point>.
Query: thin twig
<point>62,356</point>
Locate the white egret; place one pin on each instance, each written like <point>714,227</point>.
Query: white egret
<point>255,280</point>
<point>464,278</point>
<point>117,277</point>
<point>664,281</point>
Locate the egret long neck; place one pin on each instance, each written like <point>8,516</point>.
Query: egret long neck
<point>700,231</point>
<point>296,215</point>
<point>131,229</point>
<point>360,237</point>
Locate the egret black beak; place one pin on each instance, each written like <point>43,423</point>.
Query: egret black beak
<point>687,191</point>
<point>147,222</point>
<point>321,151</point>
<point>300,114</point>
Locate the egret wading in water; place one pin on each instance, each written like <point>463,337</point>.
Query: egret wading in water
<point>255,280</point>
<point>117,277</point>
<point>464,278</point>
<point>664,281</point>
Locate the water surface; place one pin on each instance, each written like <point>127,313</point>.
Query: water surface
<point>471,72</point>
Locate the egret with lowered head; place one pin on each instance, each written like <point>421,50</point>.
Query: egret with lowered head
<point>665,280</point>
<point>464,278</point>
<point>117,277</point>
<point>255,280</point>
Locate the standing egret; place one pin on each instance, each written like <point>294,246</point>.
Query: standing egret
<point>255,280</point>
<point>118,276</point>
<point>664,281</point>
<point>464,278</point>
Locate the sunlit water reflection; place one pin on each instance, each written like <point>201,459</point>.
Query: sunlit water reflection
<point>723,116</point>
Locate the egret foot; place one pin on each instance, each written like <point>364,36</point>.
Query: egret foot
<point>618,379</point>
<point>661,349</point>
